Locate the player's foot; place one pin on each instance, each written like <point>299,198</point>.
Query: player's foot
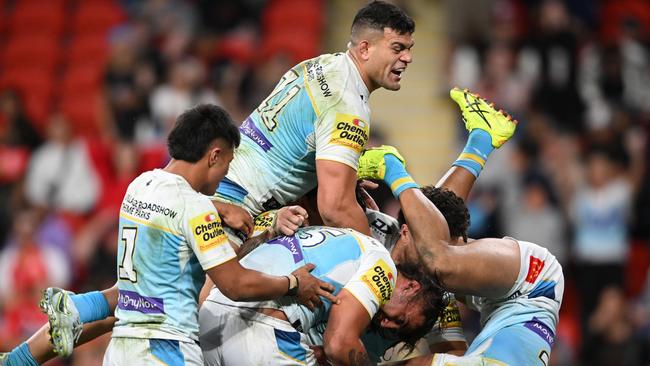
<point>478,113</point>
<point>65,325</point>
<point>372,164</point>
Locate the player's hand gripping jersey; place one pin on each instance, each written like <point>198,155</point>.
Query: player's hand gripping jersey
<point>318,110</point>
<point>343,257</point>
<point>169,235</point>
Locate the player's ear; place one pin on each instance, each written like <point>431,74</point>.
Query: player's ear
<point>412,287</point>
<point>363,48</point>
<point>214,154</point>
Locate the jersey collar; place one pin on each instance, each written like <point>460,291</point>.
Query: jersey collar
<point>364,94</point>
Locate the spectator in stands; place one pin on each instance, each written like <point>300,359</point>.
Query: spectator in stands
<point>27,264</point>
<point>611,338</point>
<point>60,175</point>
<point>537,219</point>
<point>128,80</point>
<point>17,139</point>
<point>185,87</point>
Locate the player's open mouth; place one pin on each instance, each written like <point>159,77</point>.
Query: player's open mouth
<point>397,72</point>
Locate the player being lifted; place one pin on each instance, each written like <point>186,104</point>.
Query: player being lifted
<point>309,131</point>
<point>517,286</point>
<point>347,321</point>
<point>171,236</point>
<point>312,128</point>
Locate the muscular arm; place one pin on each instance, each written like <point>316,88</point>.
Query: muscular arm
<point>337,203</point>
<point>342,338</point>
<point>486,267</point>
<point>241,284</point>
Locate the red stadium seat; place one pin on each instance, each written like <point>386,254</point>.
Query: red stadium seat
<point>88,49</point>
<point>302,15</point>
<point>96,16</point>
<point>81,110</point>
<point>36,87</point>
<point>299,46</point>
<point>41,17</point>
<point>32,50</point>
<point>81,79</point>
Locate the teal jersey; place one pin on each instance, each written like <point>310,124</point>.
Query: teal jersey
<point>318,110</point>
<point>169,235</point>
<point>343,257</point>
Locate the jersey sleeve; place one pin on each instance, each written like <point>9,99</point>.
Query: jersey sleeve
<point>341,135</point>
<point>374,282</point>
<point>204,232</point>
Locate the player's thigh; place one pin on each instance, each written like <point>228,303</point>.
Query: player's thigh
<point>138,351</point>
<point>230,337</point>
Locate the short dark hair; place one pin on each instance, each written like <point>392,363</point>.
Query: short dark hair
<point>379,15</point>
<point>197,128</point>
<point>431,295</point>
<point>452,208</point>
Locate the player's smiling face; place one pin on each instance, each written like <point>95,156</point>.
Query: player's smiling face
<point>388,58</point>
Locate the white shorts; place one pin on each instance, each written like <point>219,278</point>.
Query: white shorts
<point>232,335</point>
<point>142,351</point>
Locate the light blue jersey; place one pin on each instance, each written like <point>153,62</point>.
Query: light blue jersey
<point>169,235</point>
<point>343,257</point>
<point>518,329</point>
<point>318,110</point>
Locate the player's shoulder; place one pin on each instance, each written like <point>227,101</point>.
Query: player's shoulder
<point>327,77</point>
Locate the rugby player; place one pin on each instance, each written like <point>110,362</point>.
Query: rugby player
<point>310,130</point>
<point>171,236</point>
<point>517,286</point>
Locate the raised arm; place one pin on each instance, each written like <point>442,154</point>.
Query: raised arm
<point>488,267</point>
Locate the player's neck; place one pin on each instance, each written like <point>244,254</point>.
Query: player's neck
<point>187,171</point>
<point>362,72</point>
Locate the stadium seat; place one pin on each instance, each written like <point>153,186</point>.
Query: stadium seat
<point>37,17</point>
<point>81,79</point>
<point>32,50</point>
<point>81,111</point>
<point>36,86</point>
<point>96,17</point>
<point>88,49</point>
<point>305,16</point>
<point>299,46</point>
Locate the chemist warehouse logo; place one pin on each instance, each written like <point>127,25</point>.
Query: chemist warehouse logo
<point>207,231</point>
<point>380,280</point>
<point>350,131</point>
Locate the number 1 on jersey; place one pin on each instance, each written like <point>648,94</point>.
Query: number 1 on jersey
<point>126,270</point>
<point>269,109</point>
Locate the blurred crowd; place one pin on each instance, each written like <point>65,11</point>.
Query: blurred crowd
<point>62,180</point>
<point>575,73</point>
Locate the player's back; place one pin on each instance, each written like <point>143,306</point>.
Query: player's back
<point>534,299</point>
<point>318,110</point>
<point>343,257</point>
<point>159,276</point>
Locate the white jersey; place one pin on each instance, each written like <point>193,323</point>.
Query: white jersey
<point>318,110</point>
<point>537,292</point>
<point>343,257</point>
<point>169,235</point>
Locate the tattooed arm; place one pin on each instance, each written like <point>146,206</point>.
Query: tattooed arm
<point>347,321</point>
